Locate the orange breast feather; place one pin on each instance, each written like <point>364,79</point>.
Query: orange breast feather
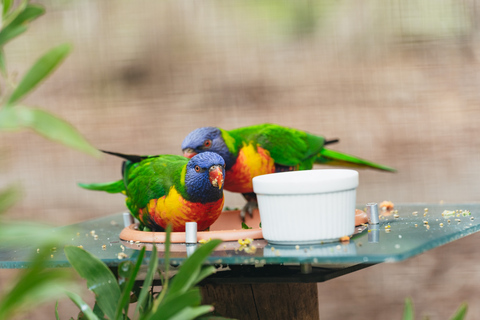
<point>251,162</point>
<point>174,209</point>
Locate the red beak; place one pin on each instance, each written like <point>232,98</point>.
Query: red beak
<point>189,153</point>
<point>216,176</point>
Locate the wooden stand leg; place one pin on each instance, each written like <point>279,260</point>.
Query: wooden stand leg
<point>264,301</point>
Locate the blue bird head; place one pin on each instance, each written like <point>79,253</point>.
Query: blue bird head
<point>207,139</point>
<point>205,177</point>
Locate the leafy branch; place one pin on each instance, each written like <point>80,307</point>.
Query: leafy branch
<point>14,116</point>
<point>179,298</point>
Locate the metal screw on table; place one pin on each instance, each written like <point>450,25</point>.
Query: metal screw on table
<point>373,233</point>
<point>372,213</point>
<point>127,219</point>
<point>191,232</point>
<point>191,237</point>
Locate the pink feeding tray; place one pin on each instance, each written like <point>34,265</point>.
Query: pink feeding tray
<point>228,227</point>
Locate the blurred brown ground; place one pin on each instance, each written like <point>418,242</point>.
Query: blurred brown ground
<point>397,81</point>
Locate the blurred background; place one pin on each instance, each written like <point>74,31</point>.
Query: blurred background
<point>397,81</point>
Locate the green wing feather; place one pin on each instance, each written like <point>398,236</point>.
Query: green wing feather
<point>331,157</point>
<point>292,147</point>
<point>110,187</point>
<point>153,178</point>
<point>287,146</point>
<point>150,178</point>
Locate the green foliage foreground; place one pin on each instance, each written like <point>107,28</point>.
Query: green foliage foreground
<point>178,299</point>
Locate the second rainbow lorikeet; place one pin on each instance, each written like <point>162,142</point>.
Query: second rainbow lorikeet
<point>266,148</point>
<point>170,189</point>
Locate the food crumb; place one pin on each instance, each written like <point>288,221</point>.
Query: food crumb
<point>272,248</point>
<point>345,239</point>
<point>441,225</point>
<point>415,213</point>
<point>104,247</point>
<point>122,247</point>
<point>387,205</point>
<point>277,253</point>
<point>38,250</point>
<point>121,255</point>
<point>80,246</point>
<point>416,225</point>
<point>95,237</point>
<point>203,241</point>
<point>396,216</point>
<point>92,232</point>
<point>297,247</point>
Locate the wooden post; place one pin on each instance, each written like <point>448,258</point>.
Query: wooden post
<point>264,301</point>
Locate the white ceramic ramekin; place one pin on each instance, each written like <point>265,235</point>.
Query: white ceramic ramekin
<point>303,207</point>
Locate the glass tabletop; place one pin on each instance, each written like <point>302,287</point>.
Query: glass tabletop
<point>407,231</point>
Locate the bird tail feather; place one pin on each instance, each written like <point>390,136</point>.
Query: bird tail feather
<point>331,157</point>
<point>110,187</point>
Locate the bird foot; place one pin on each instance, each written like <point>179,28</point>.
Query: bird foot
<point>248,208</point>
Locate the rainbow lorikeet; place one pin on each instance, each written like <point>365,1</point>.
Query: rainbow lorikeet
<point>170,189</point>
<point>265,148</point>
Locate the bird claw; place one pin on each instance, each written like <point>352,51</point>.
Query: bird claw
<point>248,208</point>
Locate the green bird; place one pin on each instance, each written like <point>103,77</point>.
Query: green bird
<point>266,148</point>
<point>170,189</point>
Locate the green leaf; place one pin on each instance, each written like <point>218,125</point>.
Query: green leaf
<point>190,270</point>
<point>244,226</point>
<point>18,25</point>
<point>408,310</point>
<point>3,67</point>
<point>190,313</point>
<point>99,278</point>
<point>82,305</point>
<point>460,313</point>
<point>9,17</point>
<point>205,272</point>
<point>40,70</point>
<point>125,298</point>
<point>47,125</point>
<point>152,268</point>
<point>8,198</point>
<point>9,33</point>
<point>57,316</point>
<point>6,6</point>
<point>30,13</point>
<point>98,312</point>
<point>166,257</point>
<point>173,304</point>
<point>34,286</point>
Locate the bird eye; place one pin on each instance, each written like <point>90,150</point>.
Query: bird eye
<point>197,168</point>
<point>207,143</point>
